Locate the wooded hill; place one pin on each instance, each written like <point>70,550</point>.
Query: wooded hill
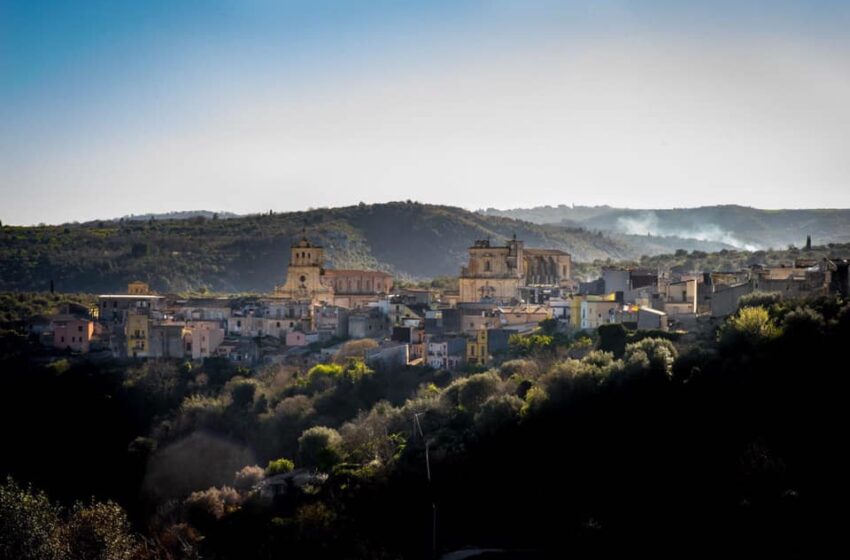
<point>250,253</point>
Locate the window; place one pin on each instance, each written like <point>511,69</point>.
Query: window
<point>486,266</point>
<point>80,328</point>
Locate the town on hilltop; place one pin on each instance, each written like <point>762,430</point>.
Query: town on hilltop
<point>503,290</point>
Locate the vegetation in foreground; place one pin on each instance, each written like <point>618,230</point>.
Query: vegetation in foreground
<point>634,444</point>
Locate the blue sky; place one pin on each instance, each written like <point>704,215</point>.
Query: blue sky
<point>112,107</point>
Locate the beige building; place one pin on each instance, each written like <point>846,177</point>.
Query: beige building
<point>307,279</point>
<point>305,274</point>
<point>138,288</point>
<point>496,273</point>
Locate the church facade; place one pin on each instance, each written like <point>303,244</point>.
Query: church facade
<point>497,273</point>
<point>308,280</point>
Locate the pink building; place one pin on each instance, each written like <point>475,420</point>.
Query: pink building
<point>296,338</point>
<point>71,332</point>
<point>202,338</point>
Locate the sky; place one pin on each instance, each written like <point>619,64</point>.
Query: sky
<point>114,107</point>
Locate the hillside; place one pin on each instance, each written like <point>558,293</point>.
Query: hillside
<point>738,226</point>
<point>250,253</point>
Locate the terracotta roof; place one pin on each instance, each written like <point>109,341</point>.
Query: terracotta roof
<point>557,252</point>
<point>349,272</point>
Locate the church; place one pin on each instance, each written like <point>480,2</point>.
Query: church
<point>308,280</point>
<point>498,273</point>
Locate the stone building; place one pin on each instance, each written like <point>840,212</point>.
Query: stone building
<point>497,273</point>
<point>308,280</point>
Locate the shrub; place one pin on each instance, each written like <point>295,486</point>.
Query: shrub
<point>207,506</point>
<point>248,477</point>
<point>279,466</point>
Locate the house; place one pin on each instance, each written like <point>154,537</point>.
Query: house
<point>520,315</point>
<point>725,299</point>
<point>583,316</point>
<point>681,297</point>
<point>114,308</point>
<point>71,332</point>
<point>414,337</point>
<point>596,312</point>
<point>417,296</point>
<point>299,338</point>
<point>389,354</point>
<point>282,484</point>
<point>651,319</point>
<point>481,348</point>
<point>203,309</point>
<point>446,353</point>
<point>332,321</point>
<point>368,323</point>
<point>201,339</point>
<point>137,334</point>
<point>242,351</point>
<point>166,340</point>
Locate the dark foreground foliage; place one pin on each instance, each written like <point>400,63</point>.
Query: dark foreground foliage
<point>731,445</point>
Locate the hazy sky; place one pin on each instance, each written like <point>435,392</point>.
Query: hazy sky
<point>115,107</point>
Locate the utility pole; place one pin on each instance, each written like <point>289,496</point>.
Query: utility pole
<point>417,427</point>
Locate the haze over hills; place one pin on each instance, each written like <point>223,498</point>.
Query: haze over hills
<point>249,253</point>
<point>739,226</point>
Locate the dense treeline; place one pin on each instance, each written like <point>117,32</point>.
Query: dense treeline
<point>634,444</point>
<point>250,253</point>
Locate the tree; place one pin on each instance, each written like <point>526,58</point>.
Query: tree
<point>612,338</point>
<point>751,325</point>
<point>655,354</point>
<point>29,524</point>
<point>248,477</point>
<point>100,531</point>
<point>320,447</point>
<point>354,349</point>
<point>242,393</point>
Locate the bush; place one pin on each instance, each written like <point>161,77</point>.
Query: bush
<point>496,412</point>
<point>655,354</point>
<point>320,447</point>
<point>279,466</point>
<point>248,477</point>
<point>759,299</point>
<point>207,506</point>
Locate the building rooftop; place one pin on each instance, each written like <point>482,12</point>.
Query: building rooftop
<point>345,271</point>
<point>129,296</point>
